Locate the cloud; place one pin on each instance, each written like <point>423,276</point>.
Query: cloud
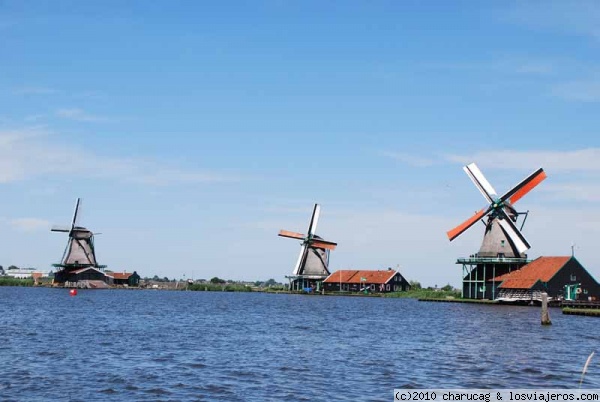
<point>30,224</point>
<point>35,91</point>
<point>588,192</point>
<point>577,17</point>
<point>536,68</point>
<point>18,148</point>
<point>410,159</point>
<point>79,115</point>
<point>585,160</point>
<point>581,91</point>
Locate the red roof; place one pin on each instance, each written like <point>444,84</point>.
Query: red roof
<point>121,275</point>
<point>355,276</point>
<point>541,269</point>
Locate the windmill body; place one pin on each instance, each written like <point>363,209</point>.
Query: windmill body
<point>79,257</point>
<point>504,247</point>
<point>312,266</point>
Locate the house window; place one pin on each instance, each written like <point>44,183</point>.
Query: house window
<point>387,287</point>
<point>501,243</point>
<point>573,277</point>
<point>585,291</point>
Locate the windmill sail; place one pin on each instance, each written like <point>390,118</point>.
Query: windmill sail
<point>313,260</point>
<point>502,237</point>
<point>80,250</point>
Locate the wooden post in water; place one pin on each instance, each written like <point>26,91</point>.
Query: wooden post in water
<point>545,314</point>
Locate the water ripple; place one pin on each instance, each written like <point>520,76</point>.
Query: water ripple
<point>190,346</point>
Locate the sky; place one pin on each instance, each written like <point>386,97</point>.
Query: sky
<point>195,131</point>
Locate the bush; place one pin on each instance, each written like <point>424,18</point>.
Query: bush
<point>10,281</point>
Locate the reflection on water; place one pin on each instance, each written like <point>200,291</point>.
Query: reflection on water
<point>160,345</point>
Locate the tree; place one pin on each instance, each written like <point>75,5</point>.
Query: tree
<point>448,288</point>
<point>13,267</point>
<point>216,279</point>
<point>414,285</point>
<point>270,282</point>
<point>155,278</point>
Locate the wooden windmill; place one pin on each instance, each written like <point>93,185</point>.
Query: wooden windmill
<point>312,265</point>
<point>503,247</point>
<point>79,252</point>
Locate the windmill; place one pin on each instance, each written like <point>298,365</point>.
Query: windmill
<point>313,261</point>
<point>79,252</point>
<point>503,243</point>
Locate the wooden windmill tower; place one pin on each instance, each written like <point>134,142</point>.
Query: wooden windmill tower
<point>79,252</point>
<point>503,247</point>
<point>312,266</point>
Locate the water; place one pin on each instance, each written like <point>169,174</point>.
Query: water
<point>188,346</point>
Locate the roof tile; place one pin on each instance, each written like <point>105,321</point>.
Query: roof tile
<point>541,269</point>
<point>354,276</point>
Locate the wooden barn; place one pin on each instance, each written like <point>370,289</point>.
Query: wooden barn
<point>365,280</point>
<point>125,278</point>
<point>563,278</point>
<point>88,277</point>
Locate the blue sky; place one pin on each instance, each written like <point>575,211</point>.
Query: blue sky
<point>194,131</point>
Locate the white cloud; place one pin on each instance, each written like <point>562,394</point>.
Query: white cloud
<point>589,192</point>
<point>585,160</point>
<point>577,17</point>
<point>30,224</point>
<point>35,91</point>
<point>409,159</point>
<point>79,115</point>
<point>26,154</point>
<point>536,68</point>
<point>582,91</point>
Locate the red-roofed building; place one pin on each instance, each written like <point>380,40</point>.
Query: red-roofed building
<point>560,277</point>
<point>125,278</point>
<point>361,280</point>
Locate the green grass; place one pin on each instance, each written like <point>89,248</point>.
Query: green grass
<point>425,294</point>
<point>214,287</point>
<point>9,281</point>
<point>581,311</point>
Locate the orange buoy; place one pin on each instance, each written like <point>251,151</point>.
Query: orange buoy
<point>73,292</point>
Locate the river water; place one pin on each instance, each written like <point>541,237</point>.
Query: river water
<point>186,346</point>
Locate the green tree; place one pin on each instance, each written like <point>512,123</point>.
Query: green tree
<point>270,282</point>
<point>216,279</point>
<point>448,288</point>
<point>414,285</point>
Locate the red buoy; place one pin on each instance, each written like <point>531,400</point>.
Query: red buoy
<point>73,292</point>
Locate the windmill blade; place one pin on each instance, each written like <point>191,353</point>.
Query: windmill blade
<point>515,235</point>
<point>457,231</point>
<point>525,186</point>
<point>312,228</point>
<point>60,229</point>
<point>323,244</point>
<point>75,213</point>
<point>291,235</point>
<point>300,259</point>
<point>484,186</point>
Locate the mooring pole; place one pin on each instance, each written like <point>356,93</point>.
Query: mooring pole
<point>545,314</point>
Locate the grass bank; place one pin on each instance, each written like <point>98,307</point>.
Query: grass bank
<point>217,287</point>
<point>425,294</point>
<point>9,281</point>
<point>582,311</point>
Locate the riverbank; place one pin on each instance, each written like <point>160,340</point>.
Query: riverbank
<point>582,311</point>
<point>455,300</point>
